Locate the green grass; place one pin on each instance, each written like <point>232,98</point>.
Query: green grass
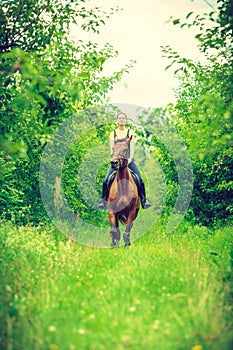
<point>166,292</point>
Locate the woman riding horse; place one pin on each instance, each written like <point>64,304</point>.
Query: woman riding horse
<point>121,134</point>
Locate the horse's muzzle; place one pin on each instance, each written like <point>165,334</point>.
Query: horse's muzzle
<point>115,164</point>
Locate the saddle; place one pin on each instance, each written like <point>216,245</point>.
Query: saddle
<point>112,176</point>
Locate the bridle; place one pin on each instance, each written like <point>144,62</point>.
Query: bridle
<point>120,156</point>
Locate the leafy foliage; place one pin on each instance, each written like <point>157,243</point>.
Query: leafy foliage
<point>45,78</point>
<point>203,113</point>
<point>33,25</point>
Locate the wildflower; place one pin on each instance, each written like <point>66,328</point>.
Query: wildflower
<point>132,309</point>
<point>155,325</point>
<point>167,332</point>
<point>52,329</point>
<point>53,347</point>
<point>8,289</point>
<point>197,347</point>
<point>125,339</point>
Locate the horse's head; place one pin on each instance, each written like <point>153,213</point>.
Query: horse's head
<point>120,154</point>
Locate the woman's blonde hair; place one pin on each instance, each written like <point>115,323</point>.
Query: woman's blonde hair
<point>120,114</point>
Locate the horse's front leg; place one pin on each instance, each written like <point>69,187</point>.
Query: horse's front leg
<point>115,231</point>
<point>127,234</point>
<point>129,224</point>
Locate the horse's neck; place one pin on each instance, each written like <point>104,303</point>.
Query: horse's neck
<point>123,186</point>
<point>123,173</point>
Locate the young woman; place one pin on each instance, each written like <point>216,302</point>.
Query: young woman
<point>122,133</point>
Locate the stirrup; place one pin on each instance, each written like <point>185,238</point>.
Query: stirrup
<point>102,204</point>
<point>146,205</point>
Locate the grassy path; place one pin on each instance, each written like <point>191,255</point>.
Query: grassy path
<point>164,292</point>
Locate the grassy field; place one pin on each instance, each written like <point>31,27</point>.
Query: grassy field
<point>166,292</point>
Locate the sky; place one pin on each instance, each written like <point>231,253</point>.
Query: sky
<point>137,32</point>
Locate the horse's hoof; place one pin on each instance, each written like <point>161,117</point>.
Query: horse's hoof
<point>114,245</point>
<point>127,244</point>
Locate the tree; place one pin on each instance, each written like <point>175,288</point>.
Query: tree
<point>45,78</point>
<point>32,25</point>
<point>203,113</point>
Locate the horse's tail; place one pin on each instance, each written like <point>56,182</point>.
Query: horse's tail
<point>123,218</point>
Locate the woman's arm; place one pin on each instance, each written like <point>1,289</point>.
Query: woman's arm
<point>111,142</point>
<point>132,145</point>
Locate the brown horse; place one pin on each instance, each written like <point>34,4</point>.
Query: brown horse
<point>123,200</point>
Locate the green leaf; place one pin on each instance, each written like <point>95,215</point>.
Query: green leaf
<point>189,14</point>
<point>176,21</point>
